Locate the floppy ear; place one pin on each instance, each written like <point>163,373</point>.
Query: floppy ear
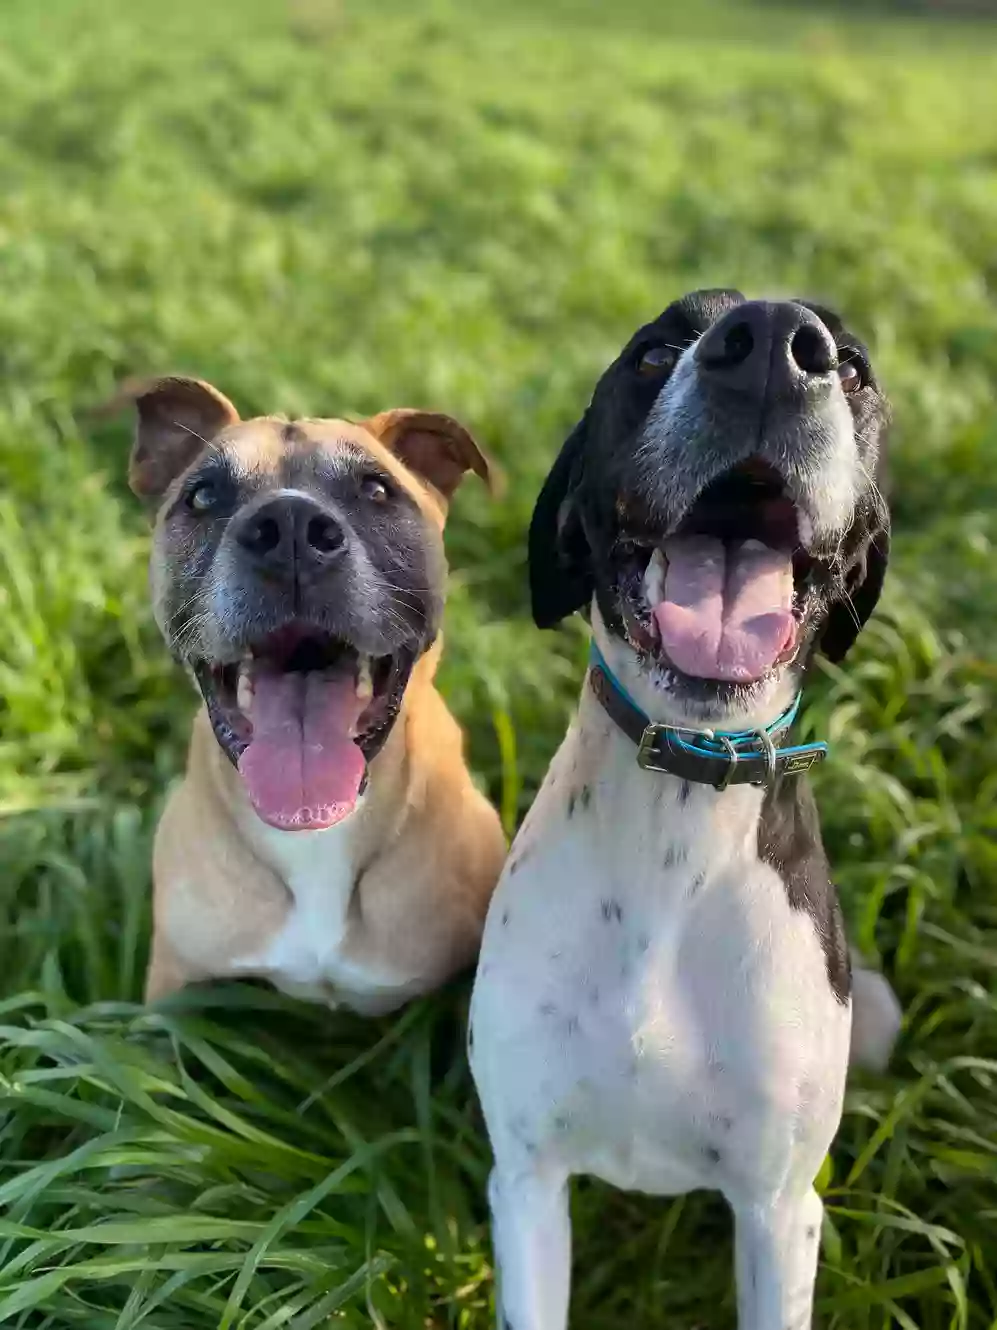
<point>434,446</point>
<point>863,585</point>
<point>560,559</point>
<point>177,418</point>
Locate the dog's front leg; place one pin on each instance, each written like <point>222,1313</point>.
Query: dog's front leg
<point>776,1248</point>
<point>531,1230</point>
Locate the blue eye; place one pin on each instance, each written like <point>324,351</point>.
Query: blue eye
<point>203,497</point>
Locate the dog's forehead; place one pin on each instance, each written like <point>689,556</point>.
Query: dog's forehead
<point>292,452</point>
<point>695,312</point>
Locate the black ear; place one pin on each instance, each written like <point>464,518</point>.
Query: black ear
<point>863,585</point>
<point>560,559</point>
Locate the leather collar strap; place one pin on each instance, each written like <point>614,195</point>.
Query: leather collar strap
<point>707,757</point>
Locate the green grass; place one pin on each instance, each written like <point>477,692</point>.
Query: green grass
<point>339,207</point>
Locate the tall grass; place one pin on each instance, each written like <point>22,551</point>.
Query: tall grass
<point>336,208</point>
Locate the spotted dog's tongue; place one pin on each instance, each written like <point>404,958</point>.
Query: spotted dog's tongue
<point>302,769</point>
<point>727,608</point>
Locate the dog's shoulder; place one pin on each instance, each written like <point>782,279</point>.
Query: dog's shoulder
<point>789,840</point>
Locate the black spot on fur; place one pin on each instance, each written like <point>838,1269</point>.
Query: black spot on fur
<point>675,854</point>
<point>612,910</point>
<point>712,1154</point>
<point>696,883</point>
<point>789,841</point>
<point>685,789</point>
<point>811,1233</point>
<point>562,1122</point>
<point>547,1009</point>
<point>519,860</point>
<point>505,918</point>
<point>585,795</point>
<point>571,1025</point>
<point>572,800</point>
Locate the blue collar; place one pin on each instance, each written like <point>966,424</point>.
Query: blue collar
<point>709,757</point>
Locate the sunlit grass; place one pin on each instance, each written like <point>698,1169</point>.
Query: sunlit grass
<point>337,208</point>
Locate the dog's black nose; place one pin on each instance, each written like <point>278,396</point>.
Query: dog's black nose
<point>291,534</point>
<point>767,348</point>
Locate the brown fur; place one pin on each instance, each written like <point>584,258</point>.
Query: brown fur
<point>424,848</point>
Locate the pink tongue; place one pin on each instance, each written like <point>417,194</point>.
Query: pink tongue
<point>727,609</point>
<point>302,769</point>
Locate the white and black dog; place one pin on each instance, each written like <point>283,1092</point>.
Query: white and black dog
<point>664,995</point>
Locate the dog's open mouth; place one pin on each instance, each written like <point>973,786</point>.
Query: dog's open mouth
<point>299,715</point>
<point>722,597</point>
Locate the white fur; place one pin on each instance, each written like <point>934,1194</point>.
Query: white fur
<point>650,1009</point>
<point>305,957</point>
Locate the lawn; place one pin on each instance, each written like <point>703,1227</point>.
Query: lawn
<point>337,207</point>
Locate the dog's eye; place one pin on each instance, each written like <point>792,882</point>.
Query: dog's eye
<point>850,376</point>
<point>657,360</point>
<point>375,489</point>
<point>203,497</point>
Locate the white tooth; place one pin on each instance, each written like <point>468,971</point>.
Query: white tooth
<point>244,694</point>
<point>805,529</point>
<point>654,579</point>
<point>365,684</point>
<point>244,689</point>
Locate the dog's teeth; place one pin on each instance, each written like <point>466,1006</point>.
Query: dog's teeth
<point>244,692</point>
<point>654,579</point>
<point>804,529</point>
<point>365,683</point>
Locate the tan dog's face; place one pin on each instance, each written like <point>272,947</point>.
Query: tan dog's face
<point>298,571</point>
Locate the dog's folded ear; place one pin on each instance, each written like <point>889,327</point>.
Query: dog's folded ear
<point>434,446</point>
<point>561,580</point>
<point>177,418</point>
<point>863,585</point>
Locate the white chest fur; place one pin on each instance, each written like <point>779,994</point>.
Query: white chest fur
<point>649,1007</point>
<point>309,956</point>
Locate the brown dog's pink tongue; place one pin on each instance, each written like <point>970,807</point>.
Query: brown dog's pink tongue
<point>302,769</point>
<point>727,610</point>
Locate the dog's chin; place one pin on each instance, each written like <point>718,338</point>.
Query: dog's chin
<point>714,615</point>
<point>300,713</point>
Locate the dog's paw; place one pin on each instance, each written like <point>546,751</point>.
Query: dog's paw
<point>876,1019</point>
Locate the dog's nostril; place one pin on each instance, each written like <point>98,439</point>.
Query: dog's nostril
<point>263,536</point>
<point>738,344</point>
<point>324,535</point>
<point>812,351</point>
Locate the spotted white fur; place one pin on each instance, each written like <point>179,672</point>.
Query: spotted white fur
<point>651,1010</point>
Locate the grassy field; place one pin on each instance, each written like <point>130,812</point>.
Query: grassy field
<point>331,208</point>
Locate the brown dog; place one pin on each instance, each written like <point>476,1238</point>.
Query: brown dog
<point>327,835</point>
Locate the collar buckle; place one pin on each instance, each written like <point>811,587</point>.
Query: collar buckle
<point>649,747</point>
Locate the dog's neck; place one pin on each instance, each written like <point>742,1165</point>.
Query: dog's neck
<point>666,707</point>
<point>648,816</point>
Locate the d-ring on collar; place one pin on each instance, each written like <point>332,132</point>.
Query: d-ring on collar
<point>708,757</point>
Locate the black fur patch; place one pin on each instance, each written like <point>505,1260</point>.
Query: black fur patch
<point>789,841</point>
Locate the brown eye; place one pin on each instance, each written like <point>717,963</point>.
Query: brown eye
<point>849,376</point>
<point>657,360</point>
<point>375,489</point>
<point>203,497</point>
